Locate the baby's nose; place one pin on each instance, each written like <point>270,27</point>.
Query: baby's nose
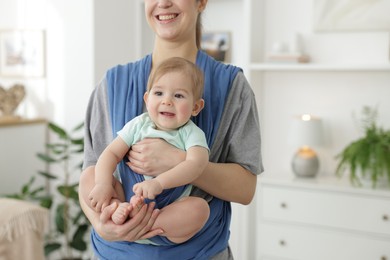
<point>167,101</point>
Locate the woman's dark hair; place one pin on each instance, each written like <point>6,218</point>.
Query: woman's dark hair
<point>199,30</point>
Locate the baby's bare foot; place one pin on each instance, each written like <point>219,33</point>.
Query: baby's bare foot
<point>121,213</point>
<point>137,202</point>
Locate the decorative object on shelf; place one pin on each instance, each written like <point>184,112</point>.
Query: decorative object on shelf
<point>280,47</point>
<point>22,53</point>
<point>306,132</point>
<point>288,58</point>
<point>217,45</point>
<point>347,15</point>
<point>284,53</point>
<point>367,159</point>
<point>68,236</point>
<point>9,101</point>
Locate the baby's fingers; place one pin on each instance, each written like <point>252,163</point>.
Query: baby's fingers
<point>104,204</point>
<point>148,195</point>
<point>137,190</point>
<point>93,203</point>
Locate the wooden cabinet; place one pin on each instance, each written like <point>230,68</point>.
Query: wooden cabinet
<point>322,218</point>
<point>20,141</point>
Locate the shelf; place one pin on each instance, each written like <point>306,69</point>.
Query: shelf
<point>319,67</point>
<point>14,121</point>
<point>328,182</point>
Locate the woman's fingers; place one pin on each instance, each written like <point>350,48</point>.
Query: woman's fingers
<point>151,233</point>
<point>142,223</point>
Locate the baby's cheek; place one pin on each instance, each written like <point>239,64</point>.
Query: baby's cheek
<point>186,111</point>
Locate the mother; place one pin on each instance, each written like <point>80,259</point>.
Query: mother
<point>229,120</point>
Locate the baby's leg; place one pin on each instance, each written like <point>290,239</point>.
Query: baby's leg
<point>183,218</point>
<point>121,213</point>
<point>87,182</point>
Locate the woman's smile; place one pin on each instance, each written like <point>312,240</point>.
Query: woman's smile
<point>166,17</point>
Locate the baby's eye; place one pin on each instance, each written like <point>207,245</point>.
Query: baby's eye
<point>158,93</point>
<point>179,96</point>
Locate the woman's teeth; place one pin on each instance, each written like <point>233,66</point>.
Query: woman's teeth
<point>166,17</point>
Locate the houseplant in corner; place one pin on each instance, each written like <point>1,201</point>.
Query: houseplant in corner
<point>66,237</point>
<point>367,158</point>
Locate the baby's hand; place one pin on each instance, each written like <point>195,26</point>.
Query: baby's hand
<point>101,196</point>
<point>148,189</point>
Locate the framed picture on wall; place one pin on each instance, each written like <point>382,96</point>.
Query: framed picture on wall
<point>217,45</point>
<point>22,53</point>
<point>351,15</point>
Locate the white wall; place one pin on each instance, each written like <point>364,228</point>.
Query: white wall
<point>115,38</point>
<point>61,95</point>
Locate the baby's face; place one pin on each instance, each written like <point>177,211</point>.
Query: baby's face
<point>170,102</point>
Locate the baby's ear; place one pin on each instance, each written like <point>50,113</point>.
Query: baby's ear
<point>146,95</point>
<point>198,106</point>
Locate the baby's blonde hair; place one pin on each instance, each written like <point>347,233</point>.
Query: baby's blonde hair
<point>177,64</point>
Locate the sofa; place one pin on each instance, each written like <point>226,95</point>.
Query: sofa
<point>22,228</point>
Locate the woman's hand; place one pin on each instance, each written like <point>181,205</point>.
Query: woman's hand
<point>153,156</point>
<point>137,227</point>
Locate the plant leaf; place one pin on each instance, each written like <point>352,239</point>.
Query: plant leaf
<point>51,247</point>
<point>78,238</point>
<point>58,130</point>
<point>46,158</point>
<point>78,127</point>
<point>47,175</point>
<point>46,202</point>
<point>68,192</point>
<point>60,219</point>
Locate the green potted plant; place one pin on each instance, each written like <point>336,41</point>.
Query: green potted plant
<point>367,158</point>
<point>67,234</point>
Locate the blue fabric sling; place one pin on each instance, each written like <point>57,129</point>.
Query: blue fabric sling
<point>126,87</point>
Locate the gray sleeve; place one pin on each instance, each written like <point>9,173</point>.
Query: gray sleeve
<point>238,139</point>
<point>98,133</point>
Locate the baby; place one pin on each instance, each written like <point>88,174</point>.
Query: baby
<point>174,94</point>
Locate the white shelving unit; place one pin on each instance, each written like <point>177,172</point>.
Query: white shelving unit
<point>330,90</point>
<point>283,89</point>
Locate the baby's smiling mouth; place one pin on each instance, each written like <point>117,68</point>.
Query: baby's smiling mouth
<point>167,114</point>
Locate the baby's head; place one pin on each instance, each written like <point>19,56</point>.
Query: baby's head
<point>174,93</point>
<point>180,65</point>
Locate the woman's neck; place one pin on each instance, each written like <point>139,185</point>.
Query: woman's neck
<point>163,51</point>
